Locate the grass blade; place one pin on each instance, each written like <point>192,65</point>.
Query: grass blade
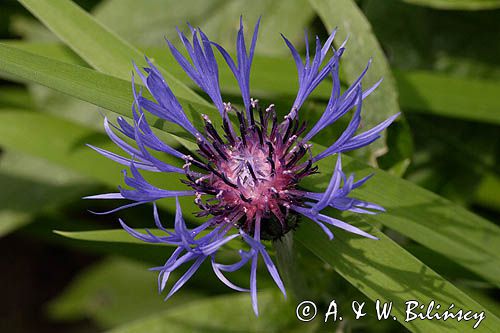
<point>92,41</point>
<point>468,99</point>
<point>457,4</point>
<point>361,47</point>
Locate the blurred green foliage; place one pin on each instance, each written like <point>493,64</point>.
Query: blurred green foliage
<point>442,65</point>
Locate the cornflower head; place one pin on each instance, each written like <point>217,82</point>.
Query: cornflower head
<point>247,175</point>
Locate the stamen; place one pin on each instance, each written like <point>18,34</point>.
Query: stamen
<point>220,151</point>
<point>261,117</point>
<point>296,156</point>
<point>259,134</point>
<point>291,140</point>
<point>199,164</point>
<point>269,110</point>
<point>301,129</point>
<point>288,129</point>
<point>221,176</point>
<point>245,199</point>
<point>228,129</point>
<point>306,170</point>
<point>249,167</point>
<point>205,117</point>
<point>206,150</point>
<point>254,103</point>
<point>273,167</point>
<point>227,106</point>
<point>213,132</point>
<point>275,125</point>
<point>243,129</point>
<point>199,180</point>
<point>261,171</point>
<point>271,149</point>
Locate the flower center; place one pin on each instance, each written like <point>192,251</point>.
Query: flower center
<point>253,175</point>
<point>248,166</point>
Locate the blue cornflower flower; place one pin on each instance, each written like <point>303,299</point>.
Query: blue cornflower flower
<point>247,179</point>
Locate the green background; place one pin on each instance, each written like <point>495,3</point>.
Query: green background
<point>64,64</point>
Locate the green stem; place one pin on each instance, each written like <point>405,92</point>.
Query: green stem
<point>293,277</point>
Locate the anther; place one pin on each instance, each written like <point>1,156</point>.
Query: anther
<point>254,103</point>
<point>292,139</point>
<point>227,106</point>
<point>205,117</point>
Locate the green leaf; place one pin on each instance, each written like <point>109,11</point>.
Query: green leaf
<point>147,22</point>
<point>103,292</point>
<point>276,14</point>
<point>428,219</point>
<point>492,304</point>
<point>111,235</point>
<point>31,186</point>
<point>117,291</point>
<point>43,226</point>
<point>424,38</point>
<point>91,40</point>
<point>411,211</point>
<point>91,86</point>
<point>416,215</point>
<point>468,158</point>
<point>98,46</point>
<point>67,149</point>
<point>15,97</point>
<point>382,270</point>
<point>112,94</point>
<point>362,46</point>
<point>487,192</point>
<point>462,98</point>
<point>443,95</point>
<point>100,89</point>
<point>457,4</point>
<point>231,313</point>
<point>121,236</point>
